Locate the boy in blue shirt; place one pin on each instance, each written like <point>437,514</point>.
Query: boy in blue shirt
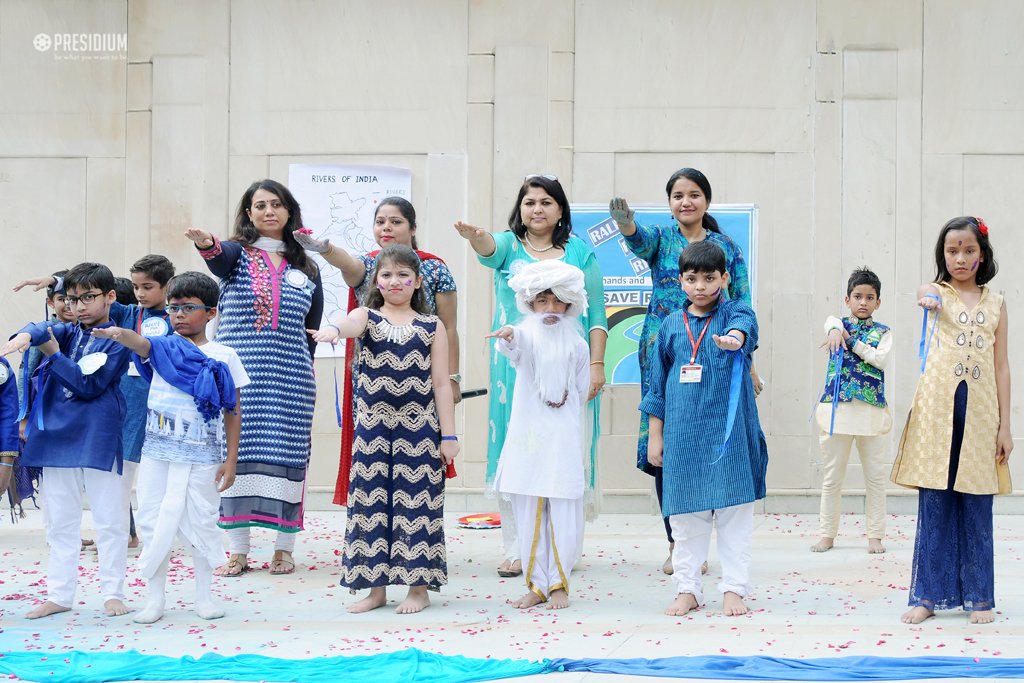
<point>74,434</point>
<point>705,432</point>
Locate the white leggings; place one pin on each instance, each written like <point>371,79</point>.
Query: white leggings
<point>238,541</point>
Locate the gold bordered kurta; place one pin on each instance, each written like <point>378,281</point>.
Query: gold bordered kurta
<point>962,350</point>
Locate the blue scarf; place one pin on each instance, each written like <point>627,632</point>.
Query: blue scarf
<point>180,362</point>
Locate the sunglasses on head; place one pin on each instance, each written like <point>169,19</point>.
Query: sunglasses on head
<point>552,178</point>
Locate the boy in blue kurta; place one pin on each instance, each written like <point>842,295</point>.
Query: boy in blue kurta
<point>715,459</point>
<point>74,434</point>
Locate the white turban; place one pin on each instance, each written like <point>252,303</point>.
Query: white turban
<point>565,282</point>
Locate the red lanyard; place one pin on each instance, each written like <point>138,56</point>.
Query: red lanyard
<point>695,344</point>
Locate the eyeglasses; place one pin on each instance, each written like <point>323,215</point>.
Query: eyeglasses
<point>187,309</point>
<point>84,298</point>
<point>276,205</point>
<point>552,178</point>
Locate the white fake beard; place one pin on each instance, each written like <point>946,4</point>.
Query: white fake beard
<point>553,346</point>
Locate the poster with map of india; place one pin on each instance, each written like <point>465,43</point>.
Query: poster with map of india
<point>627,279</point>
<point>338,202</point>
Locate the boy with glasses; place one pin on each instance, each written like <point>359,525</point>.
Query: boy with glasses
<point>191,445</point>
<point>74,434</point>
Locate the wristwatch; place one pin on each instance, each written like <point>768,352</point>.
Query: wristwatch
<point>457,378</point>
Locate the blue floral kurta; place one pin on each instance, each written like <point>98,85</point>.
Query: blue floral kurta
<point>660,246</point>
<point>698,474</point>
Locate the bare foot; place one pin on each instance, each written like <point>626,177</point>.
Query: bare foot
<point>133,542</point>
<point>559,599</point>
<point>704,568</point>
<point>378,597</point>
<point>733,605</point>
<point>916,615</point>
<point>115,608</point>
<point>529,600</point>
<point>824,545</point>
<point>683,604</point>
<point>236,565</point>
<point>875,546</point>
<point>985,616</point>
<point>415,601</point>
<point>46,609</point>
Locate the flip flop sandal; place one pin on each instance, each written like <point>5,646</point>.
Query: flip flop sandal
<point>235,567</point>
<point>284,566</point>
<point>509,573</point>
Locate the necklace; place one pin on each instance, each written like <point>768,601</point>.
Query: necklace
<point>526,238</point>
<point>398,334</point>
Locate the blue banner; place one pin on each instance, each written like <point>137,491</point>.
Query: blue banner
<point>627,279</point>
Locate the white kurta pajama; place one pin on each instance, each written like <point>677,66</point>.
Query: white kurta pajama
<point>541,467</point>
<point>180,457</point>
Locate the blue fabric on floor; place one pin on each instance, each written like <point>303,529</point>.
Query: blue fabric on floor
<point>390,667</point>
<point>821,669</point>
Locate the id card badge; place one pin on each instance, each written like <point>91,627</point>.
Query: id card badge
<point>690,373</point>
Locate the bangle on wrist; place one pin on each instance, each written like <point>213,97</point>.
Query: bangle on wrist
<point>456,377</point>
<point>450,437</point>
<point>597,362</point>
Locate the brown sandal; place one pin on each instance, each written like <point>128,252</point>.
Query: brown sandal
<point>236,566</point>
<point>280,565</point>
<point>507,569</point>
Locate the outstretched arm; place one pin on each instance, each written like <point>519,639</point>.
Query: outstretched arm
<point>127,338</point>
<point>352,325</point>
<point>928,296</point>
<point>622,215</point>
<point>352,269</point>
<point>478,238</point>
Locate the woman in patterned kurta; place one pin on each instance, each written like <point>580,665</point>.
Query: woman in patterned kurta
<point>540,227</point>
<point>394,222</point>
<point>689,195</point>
<point>395,523</point>
<point>270,296</point>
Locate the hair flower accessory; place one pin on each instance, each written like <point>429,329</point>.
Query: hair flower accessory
<point>982,228</point>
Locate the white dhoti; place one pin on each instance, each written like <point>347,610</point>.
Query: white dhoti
<point>175,498</point>
<point>62,499</point>
<point>692,535</point>
<point>550,532</point>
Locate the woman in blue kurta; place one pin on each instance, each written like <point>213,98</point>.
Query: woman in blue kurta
<point>689,195</point>
<point>270,295</point>
<point>540,228</point>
